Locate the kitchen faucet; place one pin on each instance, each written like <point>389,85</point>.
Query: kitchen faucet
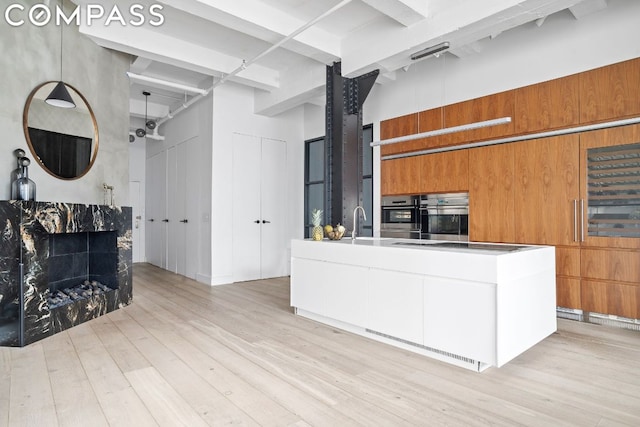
<point>355,212</point>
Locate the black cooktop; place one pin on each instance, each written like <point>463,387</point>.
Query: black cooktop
<point>466,245</point>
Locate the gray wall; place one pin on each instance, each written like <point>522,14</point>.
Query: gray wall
<point>31,56</point>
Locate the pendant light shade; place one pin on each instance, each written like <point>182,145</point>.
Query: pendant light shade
<point>60,97</point>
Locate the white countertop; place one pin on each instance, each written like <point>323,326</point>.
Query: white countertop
<point>477,262</point>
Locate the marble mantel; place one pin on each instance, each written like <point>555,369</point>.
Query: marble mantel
<point>27,230</point>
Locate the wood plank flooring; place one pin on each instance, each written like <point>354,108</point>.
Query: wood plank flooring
<point>186,354</point>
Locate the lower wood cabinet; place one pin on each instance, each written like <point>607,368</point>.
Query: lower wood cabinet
<point>615,298</point>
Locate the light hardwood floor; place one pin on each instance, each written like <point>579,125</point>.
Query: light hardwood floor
<point>186,354</point>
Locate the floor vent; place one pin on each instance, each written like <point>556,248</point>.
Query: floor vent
<point>430,349</point>
<point>570,314</point>
<point>598,318</point>
<point>617,321</point>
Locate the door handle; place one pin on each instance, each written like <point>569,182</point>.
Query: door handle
<point>151,220</point>
<point>575,220</point>
<point>582,220</point>
<point>165,220</point>
<point>266,222</point>
<point>257,221</point>
<point>184,220</point>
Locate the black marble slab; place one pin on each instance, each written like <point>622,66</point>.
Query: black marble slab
<point>25,228</point>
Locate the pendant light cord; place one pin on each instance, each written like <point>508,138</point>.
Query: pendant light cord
<point>61,32</point>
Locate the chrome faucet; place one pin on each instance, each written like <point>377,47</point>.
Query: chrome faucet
<point>355,213</point>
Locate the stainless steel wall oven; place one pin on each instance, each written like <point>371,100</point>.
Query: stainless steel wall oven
<point>400,217</point>
<point>444,216</point>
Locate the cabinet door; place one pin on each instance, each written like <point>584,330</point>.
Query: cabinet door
<point>400,176</point>
<point>398,126</point>
<point>444,172</point>
<point>548,105</point>
<point>611,92</point>
<point>547,191</point>
<point>395,305</point>
<point>187,209</point>
<point>477,110</point>
<point>491,194</point>
<point>171,220</point>
<point>610,163</point>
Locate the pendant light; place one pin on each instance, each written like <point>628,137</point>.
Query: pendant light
<point>142,132</point>
<point>59,96</point>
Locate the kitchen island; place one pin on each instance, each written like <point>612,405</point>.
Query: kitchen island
<point>474,305</point>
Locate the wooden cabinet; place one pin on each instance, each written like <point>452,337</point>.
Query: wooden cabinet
<point>477,110</point>
<point>398,126</point>
<point>547,190</point>
<point>400,176</point>
<point>444,172</point>
<point>611,92</point>
<point>549,105</point>
<point>427,121</point>
<point>491,194</point>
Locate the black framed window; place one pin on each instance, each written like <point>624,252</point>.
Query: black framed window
<point>314,184</point>
<point>314,171</point>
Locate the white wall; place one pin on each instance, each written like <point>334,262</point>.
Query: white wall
<point>233,113</point>
<point>516,58</point>
<point>31,56</point>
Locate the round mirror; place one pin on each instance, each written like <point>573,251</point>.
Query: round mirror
<point>64,141</point>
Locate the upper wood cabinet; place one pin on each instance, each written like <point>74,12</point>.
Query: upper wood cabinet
<point>444,172</point>
<point>398,126</point>
<point>427,121</point>
<point>400,176</point>
<point>477,110</point>
<point>547,190</point>
<point>548,105</point>
<point>611,92</point>
<point>491,194</point>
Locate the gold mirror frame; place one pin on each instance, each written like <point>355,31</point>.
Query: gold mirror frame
<point>77,96</point>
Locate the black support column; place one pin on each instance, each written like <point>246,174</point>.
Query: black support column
<point>343,144</point>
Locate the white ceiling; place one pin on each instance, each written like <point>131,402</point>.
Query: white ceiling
<point>203,41</point>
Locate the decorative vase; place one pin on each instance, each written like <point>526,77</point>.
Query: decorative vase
<point>16,174</point>
<point>317,233</point>
<point>23,188</point>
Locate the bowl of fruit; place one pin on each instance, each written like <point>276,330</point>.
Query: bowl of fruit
<point>334,233</point>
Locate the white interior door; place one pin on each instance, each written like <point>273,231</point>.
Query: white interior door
<point>156,239</point>
<point>170,222</point>
<point>273,201</point>
<point>187,209</point>
<point>246,208</point>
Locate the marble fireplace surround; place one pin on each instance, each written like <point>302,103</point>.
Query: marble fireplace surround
<point>26,249</point>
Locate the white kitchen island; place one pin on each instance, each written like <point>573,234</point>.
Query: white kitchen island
<point>475,305</point>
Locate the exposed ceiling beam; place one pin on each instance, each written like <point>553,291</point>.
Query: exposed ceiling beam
<point>406,12</point>
<point>264,22</point>
<point>154,45</point>
<point>587,7</point>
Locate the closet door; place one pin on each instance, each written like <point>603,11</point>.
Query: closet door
<point>247,218</point>
<point>273,199</point>
<point>156,238</point>
<point>170,220</point>
<point>187,209</point>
